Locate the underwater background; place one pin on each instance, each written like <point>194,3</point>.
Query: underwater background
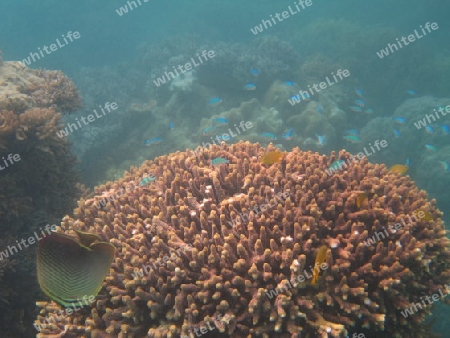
<point>126,95</point>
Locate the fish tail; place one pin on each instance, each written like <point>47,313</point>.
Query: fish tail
<point>314,279</point>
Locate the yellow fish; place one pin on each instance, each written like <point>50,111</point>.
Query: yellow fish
<point>361,200</point>
<point>271,157</point>
<point>399,169</point>
<point>321,257</point>
<point>426,215</point>
<point>69,268</point>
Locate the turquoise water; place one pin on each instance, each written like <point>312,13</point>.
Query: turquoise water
<point>160,77</point>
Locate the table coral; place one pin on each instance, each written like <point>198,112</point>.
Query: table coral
<point>232,267</point>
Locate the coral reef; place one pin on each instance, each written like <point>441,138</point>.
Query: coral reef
<point>309,123</point>
<point>58,92</point>
<point>427,166</point>
<point>224,76</point>
<point>23,88</point>
<point>183,82</point>
<point>100,138</point>
<point>28,124</point>
<point>230,68</point>
<point>246,242</point>
<point>40,181</point>
<point>263,118</point>
<point>329,39</point>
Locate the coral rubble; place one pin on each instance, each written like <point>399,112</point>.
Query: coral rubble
<point>239,254</point>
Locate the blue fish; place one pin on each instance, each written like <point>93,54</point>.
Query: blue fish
<point>411,92</point>
<point>271,136</point>
<point>321,140</point>
<point>219,161</point>
<point>250,86</point>
<point>254,71</point>
<point>320,109</point>
<point>429,129</point>
<point>352,138</point>
<point>408,162</point>
<point>354,132</point>
<point>208,131</point>
<point>397,133</point>
<point>288,135</point>
<point>400,120</point>
<point>446,166</point>
<point>220,120</point>
<point>431,147</point>
<point>356,109</point>
<point>445,129</point>
<point>289,83</point>
<point>147,180</point>
<point>359,92</point>
<point>360,103</point>
<point>369,111</point>
<point>153,141</point>
<point>215,101</point>
<point>171,125</point>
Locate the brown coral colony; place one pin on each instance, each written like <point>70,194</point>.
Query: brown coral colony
<point>224,281</point>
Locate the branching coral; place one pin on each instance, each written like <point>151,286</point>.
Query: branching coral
<point>231,268</point>
<point>57,91</point>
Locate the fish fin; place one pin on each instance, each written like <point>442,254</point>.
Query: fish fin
<point>87,238</point>
<point>68,270</point>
